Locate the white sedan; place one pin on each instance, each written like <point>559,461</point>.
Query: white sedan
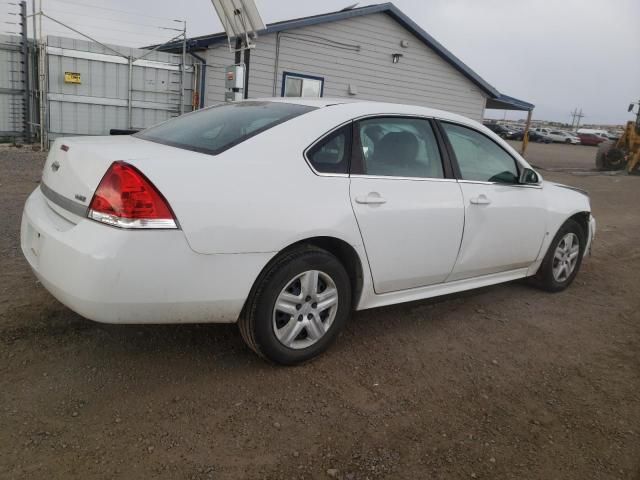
<point>563,137</point>
<point>286,215</point>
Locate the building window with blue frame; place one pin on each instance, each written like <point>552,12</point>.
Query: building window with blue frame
<point>299,85</point>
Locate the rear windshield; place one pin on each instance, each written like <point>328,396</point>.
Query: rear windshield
<point>216,129</point>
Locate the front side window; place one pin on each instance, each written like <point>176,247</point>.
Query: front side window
<point>479,158</point>
<point>216,129</point>
<point>399,147</point>
<point>298,85</point>
<point>331,154</point>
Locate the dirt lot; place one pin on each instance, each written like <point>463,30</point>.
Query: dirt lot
<point>559,157</point>
<point>505,382</point>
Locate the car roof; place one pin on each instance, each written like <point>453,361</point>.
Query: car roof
<point>311,102</point>
<point>360,107</point>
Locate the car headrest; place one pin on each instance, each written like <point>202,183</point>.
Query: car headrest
<point>397,147</point>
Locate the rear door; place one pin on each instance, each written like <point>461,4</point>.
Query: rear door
<point>408,207</point>
<point>505,222</point>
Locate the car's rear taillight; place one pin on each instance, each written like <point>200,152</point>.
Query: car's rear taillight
<point>126,198</point>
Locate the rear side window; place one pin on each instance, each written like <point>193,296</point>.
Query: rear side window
<point>479,158</point>
<point>216,129</point>
<point>399,147</point>
<point>332,153</point>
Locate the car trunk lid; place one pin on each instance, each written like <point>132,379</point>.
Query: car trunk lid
<point>76,165</point>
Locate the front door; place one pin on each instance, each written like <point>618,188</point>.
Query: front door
<point>410,216</point>
<point>505,222</point>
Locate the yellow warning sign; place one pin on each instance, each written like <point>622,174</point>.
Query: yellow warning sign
<point>71,77</point>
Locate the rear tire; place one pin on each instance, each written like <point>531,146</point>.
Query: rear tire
<point>603,148</point>
<point>289,317</point>
<point>614,159</point>
<point>563,259</point>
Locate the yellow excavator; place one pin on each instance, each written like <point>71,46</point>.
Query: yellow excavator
<point>623,153</point>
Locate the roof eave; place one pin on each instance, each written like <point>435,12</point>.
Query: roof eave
<point>505,102</point>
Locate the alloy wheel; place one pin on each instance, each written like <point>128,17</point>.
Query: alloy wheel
<point>565,257</point>
<point>305,309</point>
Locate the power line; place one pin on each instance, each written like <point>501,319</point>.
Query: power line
<point>150,38</point>
<point>117,10</point>
<point>106,27</point>
<point>115,41</point>
<point>104,19</point>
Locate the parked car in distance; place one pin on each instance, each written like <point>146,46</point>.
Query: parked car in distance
<point>591,139</point>
<point>500,130</point>
<point>614,135</point>
<point>533,137</point>
<point>563,137</point>
<point>285,215</point>
<point>600,133</point>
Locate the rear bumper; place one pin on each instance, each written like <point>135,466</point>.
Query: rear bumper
<point>112,275</point>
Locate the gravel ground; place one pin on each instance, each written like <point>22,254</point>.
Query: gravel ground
<point>559,157</point>
<point>507,382</point>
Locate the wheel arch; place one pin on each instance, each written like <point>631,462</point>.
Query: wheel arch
<point>582,219</point>
<point>342,250</point>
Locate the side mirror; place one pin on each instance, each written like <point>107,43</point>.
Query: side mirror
<point>528,177</point>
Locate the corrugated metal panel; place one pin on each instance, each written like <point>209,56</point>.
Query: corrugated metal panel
<point>99,102</point>
<point>422,77</point>
<point>11,87</point>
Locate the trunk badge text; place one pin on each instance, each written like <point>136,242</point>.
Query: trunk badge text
<point>81,198</point>
<point>55,166</point>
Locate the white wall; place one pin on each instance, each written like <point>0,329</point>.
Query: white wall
<point>328,50</point>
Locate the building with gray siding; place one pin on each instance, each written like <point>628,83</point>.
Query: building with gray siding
<point>370,53</point>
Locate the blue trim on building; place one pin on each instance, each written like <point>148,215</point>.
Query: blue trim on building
<point>388,8</point>
<point>505,102</point>
<point>302,75</point>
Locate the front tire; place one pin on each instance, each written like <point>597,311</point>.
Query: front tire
<point>563,259</point>
<point>298,306</point>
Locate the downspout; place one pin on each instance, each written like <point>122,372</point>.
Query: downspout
<point>276,66</point>
<point>247,61</point>
<point>203,76</point>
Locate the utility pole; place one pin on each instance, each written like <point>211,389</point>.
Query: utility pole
<point>576,115</point>
<point>579,117</point>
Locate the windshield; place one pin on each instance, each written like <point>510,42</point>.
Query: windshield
<point>216,129</point>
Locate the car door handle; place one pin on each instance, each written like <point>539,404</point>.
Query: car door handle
<point>371,199</point>
<point>480,200</point>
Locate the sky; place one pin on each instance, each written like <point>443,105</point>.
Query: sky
<point>557,54</point>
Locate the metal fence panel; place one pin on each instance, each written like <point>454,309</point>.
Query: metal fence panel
<point>12,85</point>
<point>102,100</point>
